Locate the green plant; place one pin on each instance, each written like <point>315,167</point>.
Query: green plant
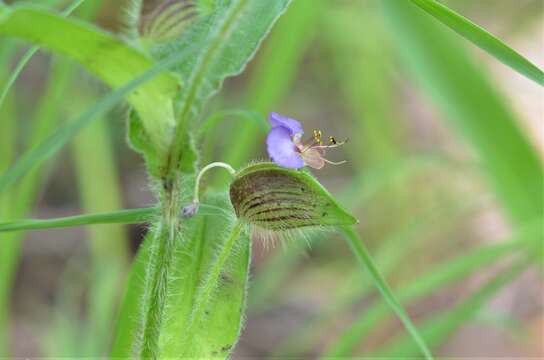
<point>187,290</point>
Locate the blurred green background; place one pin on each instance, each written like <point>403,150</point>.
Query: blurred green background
<point>444,143</point>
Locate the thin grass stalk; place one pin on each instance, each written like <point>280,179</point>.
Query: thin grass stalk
<point>482,38</point>
<point>93,154</point>
<point>364,258</point>
<point>22,199</point>
<point>28,55</point>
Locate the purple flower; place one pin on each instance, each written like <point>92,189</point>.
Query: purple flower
<point>285,146</point>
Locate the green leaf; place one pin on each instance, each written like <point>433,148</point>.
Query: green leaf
<point>42,151</point>
<point>139,141</point>
<point>277,198</point>
<point>209,267</point>
<point>105,56</point>
<point>217,304</point>
<point>363,256</point>
<point>482,38</point>
<point>228,39</point>
<point>470,103</point>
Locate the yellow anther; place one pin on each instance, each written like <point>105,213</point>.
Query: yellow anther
<point>317,136</point>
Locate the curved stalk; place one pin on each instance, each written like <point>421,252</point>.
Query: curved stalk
<point>191,209</point>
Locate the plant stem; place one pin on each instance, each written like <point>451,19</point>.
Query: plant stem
<point>363,256</point>
<point>158,272</point>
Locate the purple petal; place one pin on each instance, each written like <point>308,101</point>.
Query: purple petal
<point>291,124</point>
<point>281,148</point>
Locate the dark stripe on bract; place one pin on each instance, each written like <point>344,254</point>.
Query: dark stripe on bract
<point>267,193</point>
<point>260,212</point>
<point>279,202</point>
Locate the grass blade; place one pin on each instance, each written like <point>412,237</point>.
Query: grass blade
<point>472,105</point>
<point>109,249</point>
<point>127,216</point>
<point>481,38</point>
<point>132,216</point>
<point>23,196</point>
<point>27,56</point>
<point>365,259</point>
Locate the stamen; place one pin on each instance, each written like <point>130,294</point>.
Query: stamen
<point>312,145</point>
<point>334,162</point>
<point>317,136</point>
<point>331,146</point>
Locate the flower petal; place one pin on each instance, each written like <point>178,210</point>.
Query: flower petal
<point>281,148</point>
<point>291,124</point>
<point>313,158</point>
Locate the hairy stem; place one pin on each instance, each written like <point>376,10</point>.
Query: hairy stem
<point>159,270</point>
